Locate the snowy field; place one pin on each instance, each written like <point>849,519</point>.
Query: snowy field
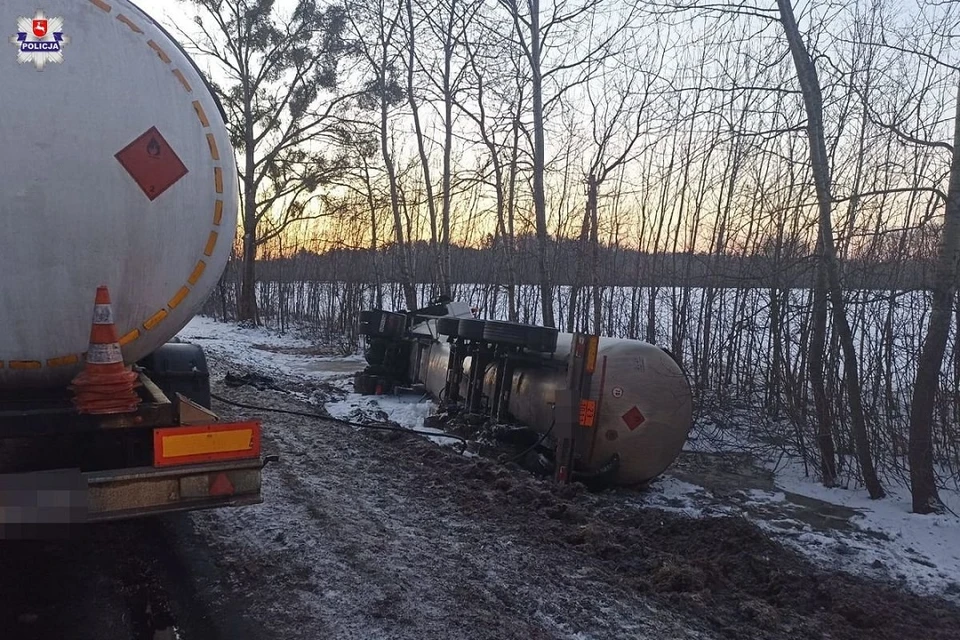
<point>837,528</point>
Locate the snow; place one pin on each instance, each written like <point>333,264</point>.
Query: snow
<point>258,348</point>
<point>877,538</point>
<point>287,356</point>
<point>921,550</point>
<point>407,411</point>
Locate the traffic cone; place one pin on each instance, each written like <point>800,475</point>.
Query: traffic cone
<point>105,385</point>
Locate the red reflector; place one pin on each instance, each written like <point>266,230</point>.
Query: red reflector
<point>221,485</point>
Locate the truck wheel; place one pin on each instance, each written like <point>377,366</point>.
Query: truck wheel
<point>382,324</point>
<point>542,339</point>
<point>471,328</point>
<point>180,367</point>
<point>511,333</point>
<point>532,337</point>
<point>448,327</point>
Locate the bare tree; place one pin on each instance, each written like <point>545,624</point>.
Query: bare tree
<point>819,162</point>
<point>280,99</point>
<point>375,28</point>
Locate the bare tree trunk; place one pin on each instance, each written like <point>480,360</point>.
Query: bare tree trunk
<point>374,242</point>
<point>403,271</point>
<point>813,103</point>
<point>421,147</point>
<point>581,250</point>
<point>539,167</point>
<point>512,213</point>
<point>447,150</point>
<point>247,307</point>
<point>922,480</point>
<point>816,367</point>
<point>595,251</point>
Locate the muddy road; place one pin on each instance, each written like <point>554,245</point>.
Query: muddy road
<point>381,535</point>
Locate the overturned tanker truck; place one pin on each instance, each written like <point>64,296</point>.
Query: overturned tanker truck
<point>605,411</point>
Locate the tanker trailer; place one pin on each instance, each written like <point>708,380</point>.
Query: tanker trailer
<point>117,171</point>
<point>642,399</point>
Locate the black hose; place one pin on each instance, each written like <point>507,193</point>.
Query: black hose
<point>535,444</point>
<point>360,425</point>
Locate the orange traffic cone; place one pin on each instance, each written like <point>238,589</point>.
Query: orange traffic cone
<point>105,385</point>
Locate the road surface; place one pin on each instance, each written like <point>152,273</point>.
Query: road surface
<point>381,535</point>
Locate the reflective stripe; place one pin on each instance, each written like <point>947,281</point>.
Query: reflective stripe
<point>104,354</point>
<point>103,314</point>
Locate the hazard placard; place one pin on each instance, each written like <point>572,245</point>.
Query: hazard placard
<point>152,163</point>
<point>633,418</point>
<point>588,413</point>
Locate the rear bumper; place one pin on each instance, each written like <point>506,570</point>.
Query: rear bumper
<point>68,497</point>
<point>136,492</point>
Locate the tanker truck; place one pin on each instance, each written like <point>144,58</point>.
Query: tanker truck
<point>117,177</point>
<point>604,411</point>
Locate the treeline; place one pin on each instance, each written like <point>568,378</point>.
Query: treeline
<point>753,186</point>
<point>614,266</point>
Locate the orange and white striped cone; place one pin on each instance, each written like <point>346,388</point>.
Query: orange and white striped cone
<point>105,385</point>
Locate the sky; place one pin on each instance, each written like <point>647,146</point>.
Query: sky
<point>158,9</point>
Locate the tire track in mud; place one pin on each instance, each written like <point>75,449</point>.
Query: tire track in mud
<point>387,535</point>
<point>376,544</point>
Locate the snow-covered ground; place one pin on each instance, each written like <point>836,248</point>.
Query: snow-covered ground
<point>839,528</point>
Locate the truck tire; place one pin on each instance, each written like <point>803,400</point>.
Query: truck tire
<point>376,352</point>
<point>364,384</point>
<point>532,337</point>
<point>382,324</point>
<point>542,339</point>
<point>180,367</point>
<point>449,327</point>
<point>471,329</point>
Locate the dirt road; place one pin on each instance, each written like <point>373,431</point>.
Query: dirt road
<point>372,535</point>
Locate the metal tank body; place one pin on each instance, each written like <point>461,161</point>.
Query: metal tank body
<point>644,401</point>
<point>115,168</point>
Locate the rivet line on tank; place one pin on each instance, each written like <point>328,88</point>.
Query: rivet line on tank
<point>183,80</point>
<point>130,23</point>
<point>64,361</point>
<point>155,319</point>
<point>177,299</point>
<point>100,4</point>
<point>160,52</point>
<point>130,337</point>
<point>197,272</point>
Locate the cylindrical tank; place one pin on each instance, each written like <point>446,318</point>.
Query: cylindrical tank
<point>644,401</point>
<point>115,168</point>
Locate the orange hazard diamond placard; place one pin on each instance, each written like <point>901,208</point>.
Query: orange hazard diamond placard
<point>152,163</point>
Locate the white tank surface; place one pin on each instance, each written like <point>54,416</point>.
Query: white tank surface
<point>644,402</point>
<point>115,169</point>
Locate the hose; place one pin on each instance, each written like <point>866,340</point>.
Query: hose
<point>536,444</point>
<point>359,425</point>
